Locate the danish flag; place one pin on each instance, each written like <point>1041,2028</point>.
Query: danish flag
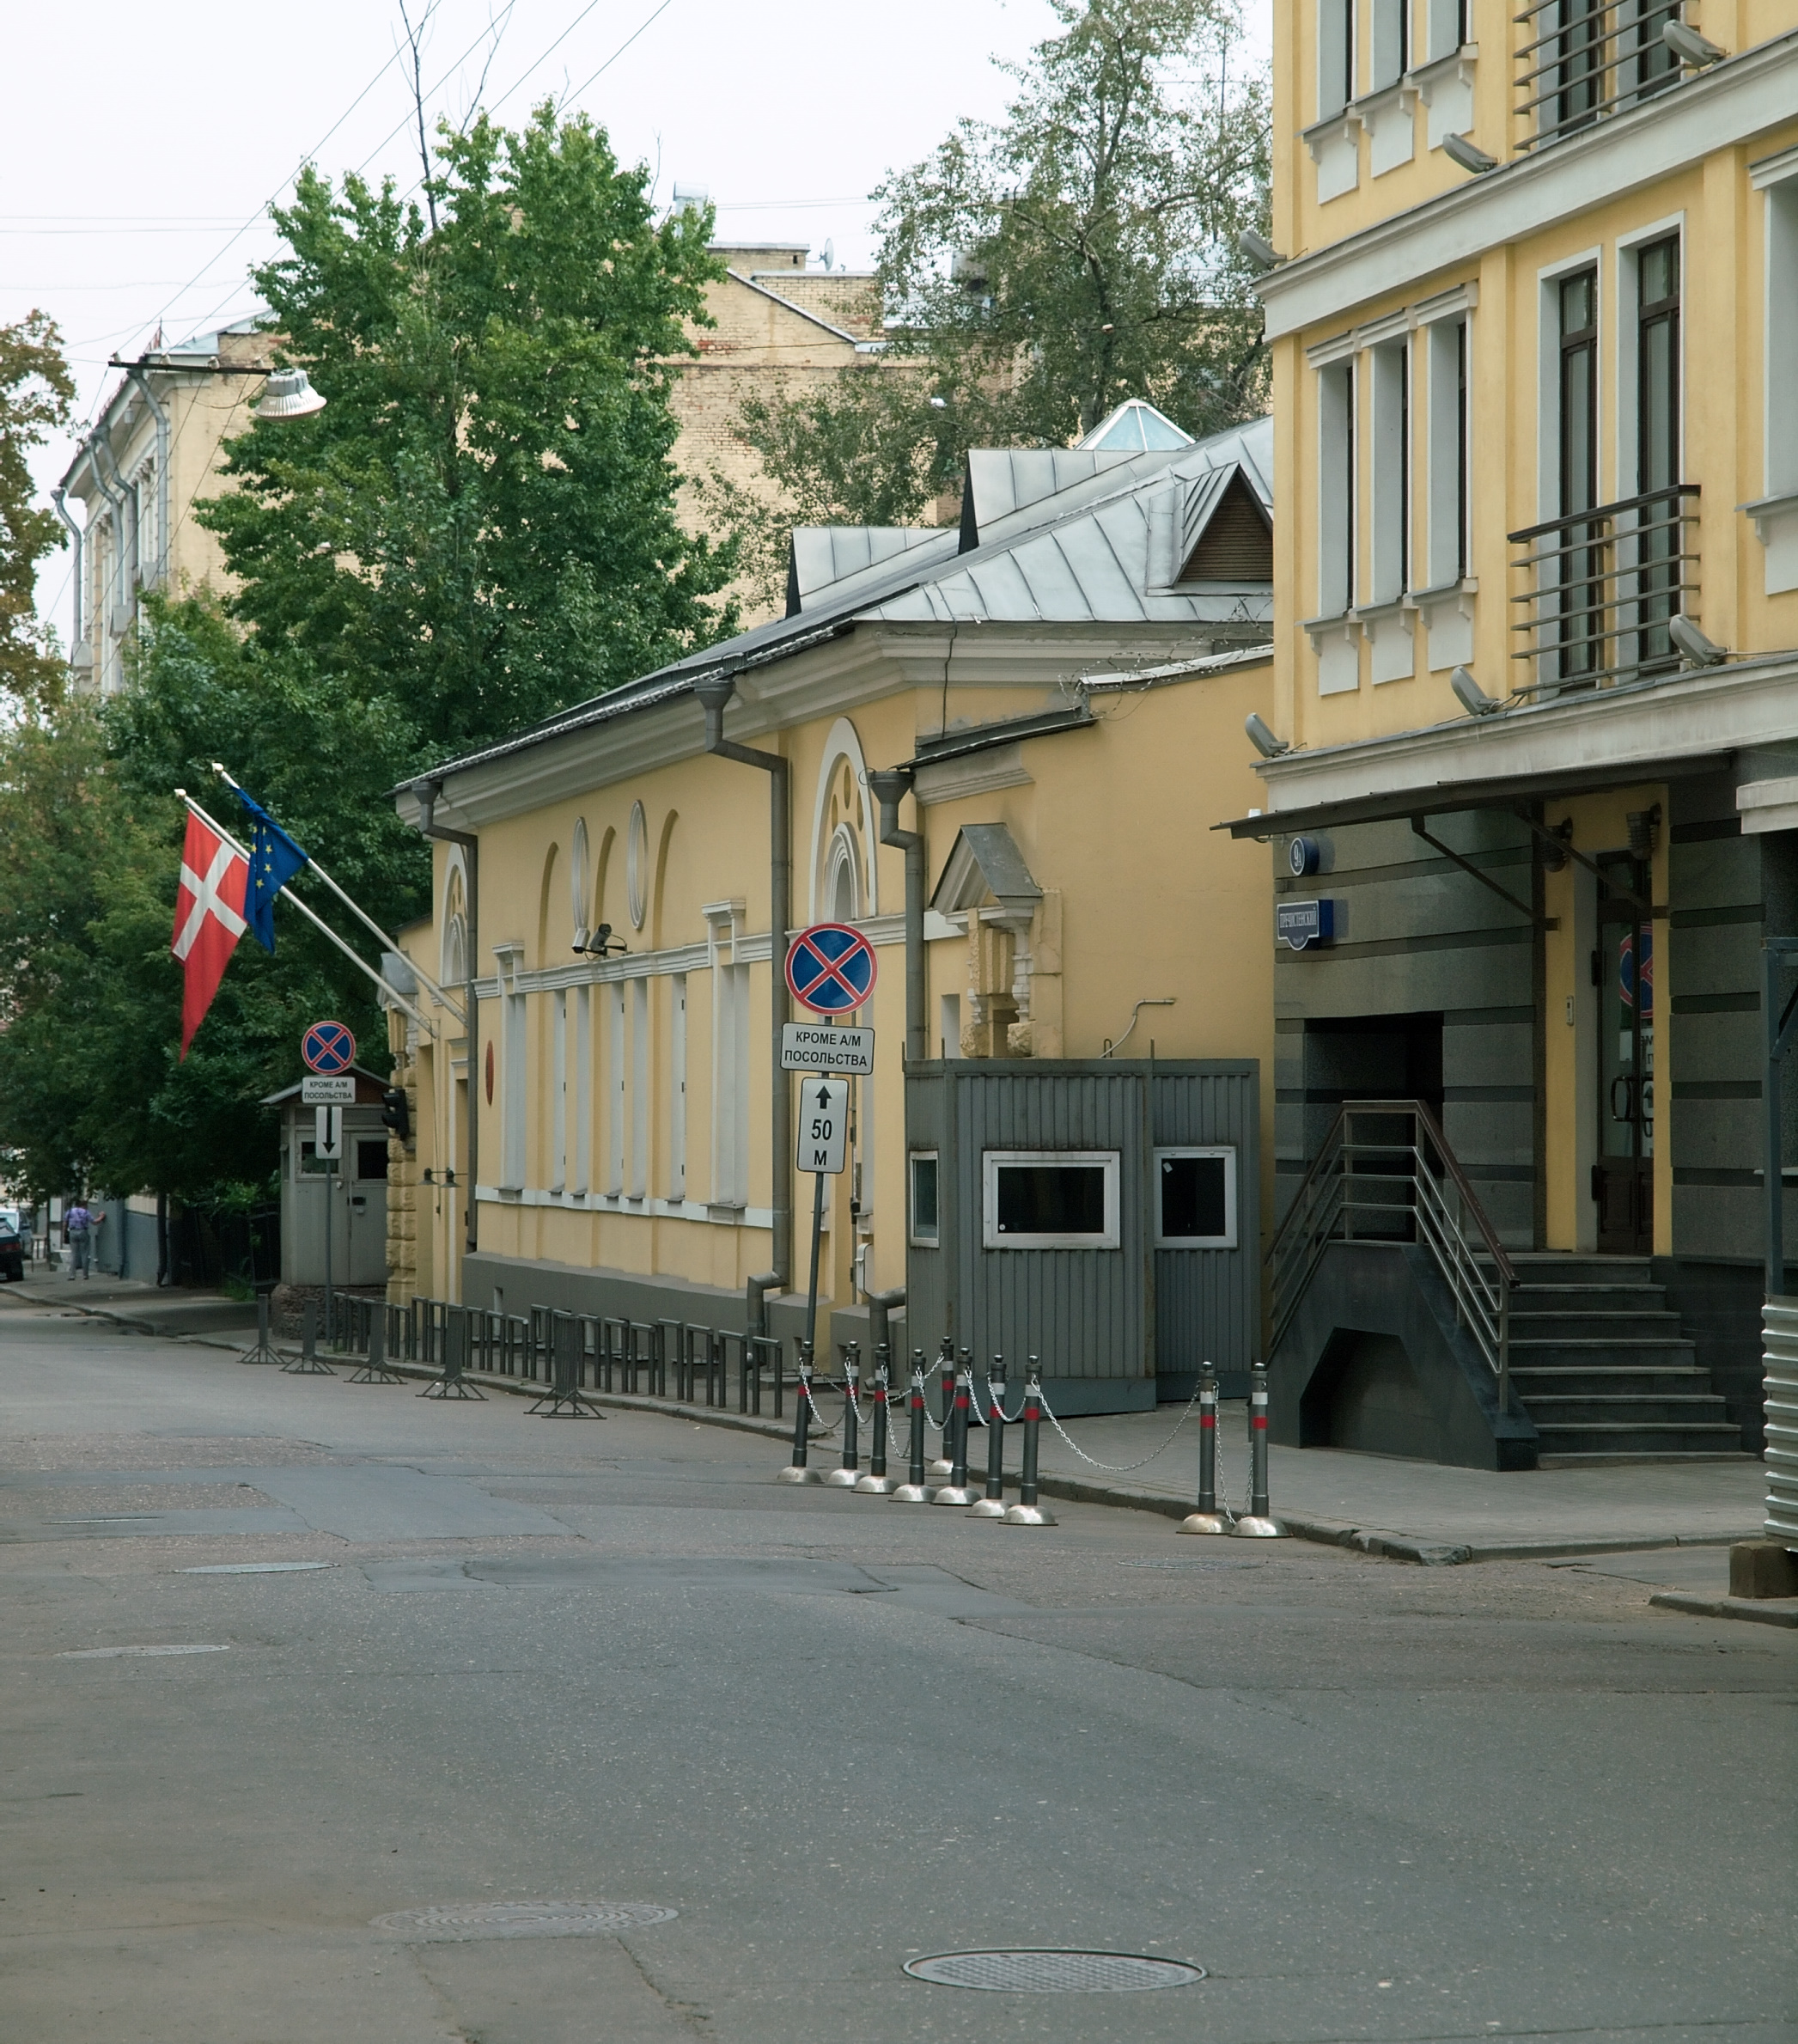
<point>208,919</point>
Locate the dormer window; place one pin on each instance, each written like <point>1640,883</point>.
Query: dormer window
<point>1237,544</point>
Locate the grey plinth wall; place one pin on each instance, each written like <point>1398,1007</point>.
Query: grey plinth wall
<point>1114,1329</point>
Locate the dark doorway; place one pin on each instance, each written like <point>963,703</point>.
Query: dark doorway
<point>1374,1057</point>
<point>1623,973</point>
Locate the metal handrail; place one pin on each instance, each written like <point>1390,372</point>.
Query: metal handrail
<point>1604,595</point>
<point>1438,1210</point>
<point>1613,50</point>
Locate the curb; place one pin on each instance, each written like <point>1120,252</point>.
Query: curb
<point>1781,1612</point>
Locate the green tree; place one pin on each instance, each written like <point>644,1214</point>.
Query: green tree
<point>35,392</point>
<point>479,527</point>
<point>1040,269</point>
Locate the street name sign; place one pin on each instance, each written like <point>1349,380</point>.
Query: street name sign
<point>316,1091</point>
<point>823,1125</point>
<point>831,968</point>
<point>327,1046</point>
<point>817,1046</point>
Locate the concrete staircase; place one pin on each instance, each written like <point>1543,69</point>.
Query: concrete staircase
<point>1604,1369</point>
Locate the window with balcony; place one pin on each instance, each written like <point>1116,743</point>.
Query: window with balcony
<point>1602,580</point>
<point>1581,60</point>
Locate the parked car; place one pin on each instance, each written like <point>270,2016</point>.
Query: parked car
<point>12,1254</point>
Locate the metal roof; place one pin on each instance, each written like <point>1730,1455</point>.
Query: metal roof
<point>1054,535</point>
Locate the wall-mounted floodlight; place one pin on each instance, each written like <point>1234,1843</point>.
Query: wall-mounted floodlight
<point>1258,249</point>
<point>289,395</point>
<point>1473,698</point>
<point>1690,47</point>
<point>1263,739</point>
<point>1468,155</point>
<point>1699,650</point>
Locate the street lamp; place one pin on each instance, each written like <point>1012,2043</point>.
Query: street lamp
<point>289,395</point>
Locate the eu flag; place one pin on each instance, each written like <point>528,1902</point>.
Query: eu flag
<point>274,860</point>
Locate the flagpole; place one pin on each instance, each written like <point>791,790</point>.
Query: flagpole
<point>317,921</point>
<point>366,920</point>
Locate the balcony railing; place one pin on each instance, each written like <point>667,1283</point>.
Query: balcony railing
<point>1584,60</point>
<point>1602,586</point>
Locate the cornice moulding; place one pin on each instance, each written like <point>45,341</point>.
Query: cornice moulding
<point>1716,110</point>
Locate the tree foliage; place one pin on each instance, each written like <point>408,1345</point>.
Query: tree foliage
<point>478,529</point>
<point>480,524</point>
<point>1039,271</point>
<point>35,392</point>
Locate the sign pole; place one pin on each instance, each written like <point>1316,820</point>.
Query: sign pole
<point>330,1219</point>
<point>810,1309</point>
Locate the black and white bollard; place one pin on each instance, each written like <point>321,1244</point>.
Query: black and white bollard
<point>1207,1518</point>
<point>796,1471</point>
<point>956,1490</point>
<point>939,1470</point>
<point>992,1505</point>
<point>848,1473</point>
<point>1258,1522</point>
<point>877,1483</point>
<point>915,1490</point>
<point>1027,1511</point>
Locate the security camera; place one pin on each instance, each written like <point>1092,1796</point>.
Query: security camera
<point>1258,249</point>
<point>1699,650</point>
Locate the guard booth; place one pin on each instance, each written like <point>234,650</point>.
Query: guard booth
<point>1100,1214</point>
<point>355,1192</point>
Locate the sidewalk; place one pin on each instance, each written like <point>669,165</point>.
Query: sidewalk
<point>1414,1510</point>
<point>130,1303</point>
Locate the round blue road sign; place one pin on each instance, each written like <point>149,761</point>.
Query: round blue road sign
<point>328,1046</point>
<point>830,967</point>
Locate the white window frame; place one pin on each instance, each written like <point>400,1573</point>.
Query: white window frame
<point>677,1086</point>
<point>1336,66</point>
<point>1335,469</point>
<point>913,1234</point>
<point>583,1088</point>
<point>558,1090</point>
<point>1624,344</point>
<point>1228,1240</point>
<point>992,1161</point>
<point>1548,378</point>
<point>1389,448</point>
<point>1448,455</point>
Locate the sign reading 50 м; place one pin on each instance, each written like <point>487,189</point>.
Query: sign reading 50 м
<point>823,1143</point>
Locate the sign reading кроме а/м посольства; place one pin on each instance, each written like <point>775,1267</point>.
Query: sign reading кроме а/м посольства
<point>818,1046</point>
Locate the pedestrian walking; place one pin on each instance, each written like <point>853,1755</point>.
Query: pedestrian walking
<point>78,1237</point>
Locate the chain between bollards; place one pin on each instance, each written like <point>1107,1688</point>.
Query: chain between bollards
<point>992,1505</point>
<point>1027,1511</point>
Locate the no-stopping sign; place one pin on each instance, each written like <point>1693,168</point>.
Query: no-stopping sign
<point>830,967</point>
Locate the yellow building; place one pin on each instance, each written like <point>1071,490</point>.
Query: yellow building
<point>1058,679</point>
<point>1534,320</point>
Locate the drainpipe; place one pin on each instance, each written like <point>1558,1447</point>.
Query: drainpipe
<point>880,1304</point>
<point>890,784</point>
<point>114,494</point>
<point>142,380</point>
<point>714,693</point>
<point>79,536</point>
<point>426,793</point>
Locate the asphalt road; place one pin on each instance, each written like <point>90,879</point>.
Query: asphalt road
<point>612,1662</point>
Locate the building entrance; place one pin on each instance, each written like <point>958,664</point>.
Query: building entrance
<point>1623,1179</point>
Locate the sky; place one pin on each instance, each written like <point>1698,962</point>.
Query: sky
<point>138,166</point>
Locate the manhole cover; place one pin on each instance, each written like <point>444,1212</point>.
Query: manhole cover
<point>1053,1973</point>
<point>458,1920</point>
